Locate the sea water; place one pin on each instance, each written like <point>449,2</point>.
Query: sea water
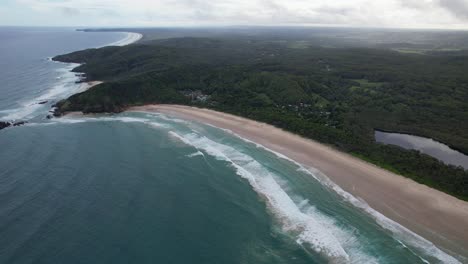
<point>149,188</point>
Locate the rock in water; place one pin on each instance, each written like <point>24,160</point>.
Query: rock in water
<point>20,123</point>
<point>4,124</point>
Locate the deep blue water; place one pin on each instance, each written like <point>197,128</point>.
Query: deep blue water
<point>149,188</point>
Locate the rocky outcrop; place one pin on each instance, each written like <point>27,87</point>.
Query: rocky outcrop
<point>4,124</point>
<point>20,123</point>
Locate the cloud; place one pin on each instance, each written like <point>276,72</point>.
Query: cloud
<point>459,8</point>
<point>416,4</point>
<point>70,11</point>
<point>376,13</point>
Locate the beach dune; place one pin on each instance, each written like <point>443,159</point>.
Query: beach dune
<point>434,215</point>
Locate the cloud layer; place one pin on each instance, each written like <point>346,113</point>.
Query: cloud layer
<point>375,13</point>
<point>457,7</point>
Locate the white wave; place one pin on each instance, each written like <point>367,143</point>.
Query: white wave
<point>198,153</point>
<point>398,231</point>
<point>68,121</point>
<point>279,155</point>
<point>82,119</point>
<point>38,124</point>
<point>414,253</point>
<point>85,119</point>
<point>158,125</point>
<point>166,118</point>
<point>115,118</point>
<point>125,119</point>
<point>311,228</point>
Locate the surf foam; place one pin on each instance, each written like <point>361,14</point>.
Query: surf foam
<point>198,153</point>
<point>399,232</point>
<point>310,227</point>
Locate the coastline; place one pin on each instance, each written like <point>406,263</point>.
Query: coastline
<point>431,214</point>
<point>132,37</point>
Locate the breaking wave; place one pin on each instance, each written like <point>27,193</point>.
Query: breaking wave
<point>399,232</point>
<point>198,153</point>
<point>310,228</point>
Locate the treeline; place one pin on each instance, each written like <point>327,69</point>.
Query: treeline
<point>335,96</point>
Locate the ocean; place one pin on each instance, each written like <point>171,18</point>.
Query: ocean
<point>149,188</point>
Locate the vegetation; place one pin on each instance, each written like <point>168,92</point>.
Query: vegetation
<point>337,96</point>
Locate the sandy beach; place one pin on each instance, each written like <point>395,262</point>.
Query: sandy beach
<point>434,215</point>
<point>131,37</point>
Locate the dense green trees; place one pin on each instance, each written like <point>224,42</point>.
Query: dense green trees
<point>336,96</point>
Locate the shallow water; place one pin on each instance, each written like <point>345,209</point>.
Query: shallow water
<point>427,146</point>
<point>149,188</point>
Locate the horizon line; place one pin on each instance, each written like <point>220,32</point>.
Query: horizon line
<point>241,26</point>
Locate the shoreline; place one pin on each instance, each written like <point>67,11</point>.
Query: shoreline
<point>431,214</point>
<point>132,37</point>
<point>86,85</point>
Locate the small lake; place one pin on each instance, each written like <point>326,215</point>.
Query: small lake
<point>427,146</point>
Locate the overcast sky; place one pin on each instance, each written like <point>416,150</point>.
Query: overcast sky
<point>451,14</point>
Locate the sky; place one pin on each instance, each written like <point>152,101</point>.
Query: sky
<point>437,14</point>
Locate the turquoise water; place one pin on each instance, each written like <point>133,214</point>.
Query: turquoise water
<point>150,188</point>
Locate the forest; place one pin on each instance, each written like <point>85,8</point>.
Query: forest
<point>335,95</point>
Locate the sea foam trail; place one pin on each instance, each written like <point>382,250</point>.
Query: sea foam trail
<point>310,227</point>
<point>399,232</point>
